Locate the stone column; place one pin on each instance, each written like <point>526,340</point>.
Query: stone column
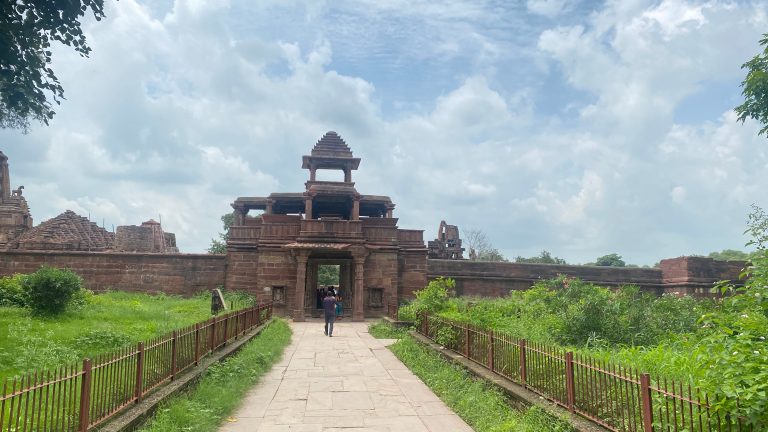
<point>301,282</point>
<point>239,216</point>
<point>358,314</point>
<point>268,210</point>
<point>308,208</point>
<point>356,208</point>
<point>347,175</point>
<point>312,173</point>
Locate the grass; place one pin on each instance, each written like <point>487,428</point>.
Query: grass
<point>223,385</point>
<point>483,406</point>
<point>385,330</point>
<point>106,322</point>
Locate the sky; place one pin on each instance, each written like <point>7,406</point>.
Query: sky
<point>581,128</point>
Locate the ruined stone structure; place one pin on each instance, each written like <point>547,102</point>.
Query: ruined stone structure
<point>278,254</point>
<point>67,231</point>
<point>447,245</point>
<point>15,218</point>
<point>148,237</point>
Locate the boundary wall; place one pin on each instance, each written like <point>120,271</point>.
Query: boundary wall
<point>182,274</point>
<point>188,274</point>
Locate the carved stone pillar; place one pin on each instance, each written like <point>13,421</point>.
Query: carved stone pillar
<point>301,283</point>
<point>347,175</point>
<point>268,210</point>
<point>356,209</point>
<point>239,215</point>
<point>358,313</point>
<point>312,173</point>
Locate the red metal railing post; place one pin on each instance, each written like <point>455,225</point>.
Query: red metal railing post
<point>213,334</point>
<point>237,324</point>
<point>523,370</point>
<point>174,354</point>
<point>226,329</point>
<point>490,351</point>
<point>570,387</point>
<point>197,344</point>
<point>645,398</point>
<point>425,324</point>
<point>466,341</point>
<point>258,315</point>
<point>85,397</point>
<point>137,393</point>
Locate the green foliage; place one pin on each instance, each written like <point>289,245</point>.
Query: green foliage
<point>729,255</point>
<point>26,78</point>
<point>482,405</point>
<point>755,89</point>
<point>734,353</point>
<point>220,246</point>
<point>223,385</point>
<point>407,312</point>
<point>385,330</point>
<point>12,291</point>
<point>328,275</point>
<point>610,260</point>
<point>490,255</point>
<point>105,322</point>
<point>434,297</point>
<point>50,290</point>
<point>543,258</point>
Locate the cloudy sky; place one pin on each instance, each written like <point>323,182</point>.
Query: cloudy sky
<point>583,128</point>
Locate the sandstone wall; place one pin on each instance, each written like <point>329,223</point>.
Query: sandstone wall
<point>184,274</point>
<point>684,275</point>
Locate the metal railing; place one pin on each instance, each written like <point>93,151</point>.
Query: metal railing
<point>617,398</point>
<point>76,399</point>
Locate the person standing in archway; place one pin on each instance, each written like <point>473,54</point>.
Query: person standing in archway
<point>329,306</point>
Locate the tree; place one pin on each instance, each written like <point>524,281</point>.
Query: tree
<point>220,246</point>
<point>26,78</point>
<point>755,89</point>
<point>328,275</point>
<point>480,248</point>
<point>544,258</point>
<point>729,255</point>
<point>610,260</point>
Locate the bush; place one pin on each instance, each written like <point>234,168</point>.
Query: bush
<point>50,290</point>
<point>435,296</point>
<point>12,291</point>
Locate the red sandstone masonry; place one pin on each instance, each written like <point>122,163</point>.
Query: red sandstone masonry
<point>183,274</point>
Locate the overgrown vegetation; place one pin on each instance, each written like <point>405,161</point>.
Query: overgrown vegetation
<point>222,387</point>
<point>717,345</point>
<point>385,330</point>
<point>48,291</point>
<point>100,323</point>
<point>480,404</point>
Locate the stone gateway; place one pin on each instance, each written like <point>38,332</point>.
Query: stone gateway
<point>276,253</point>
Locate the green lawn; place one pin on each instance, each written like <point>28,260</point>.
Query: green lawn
<point>106,322</point>
<point>203,408</point>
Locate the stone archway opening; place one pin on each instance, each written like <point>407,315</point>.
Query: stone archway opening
<point>325,272</point>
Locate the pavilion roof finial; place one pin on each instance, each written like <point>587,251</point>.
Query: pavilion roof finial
<point>330,152</point>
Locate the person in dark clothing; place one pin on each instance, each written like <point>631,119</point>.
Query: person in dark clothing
<point>329,306</point>
<point>318,298</point>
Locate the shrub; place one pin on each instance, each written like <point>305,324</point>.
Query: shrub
<point>434,297</point>
<point>12,291</point>
<point>50,290</point>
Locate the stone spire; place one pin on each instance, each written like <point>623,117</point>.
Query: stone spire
<point>331,152</point>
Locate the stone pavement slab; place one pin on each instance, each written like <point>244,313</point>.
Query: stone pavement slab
<point>347,383</point>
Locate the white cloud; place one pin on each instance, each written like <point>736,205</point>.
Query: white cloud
<point>178,113</point>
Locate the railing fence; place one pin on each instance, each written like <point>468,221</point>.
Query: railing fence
<point>618,398</point>
<point>76,399</point>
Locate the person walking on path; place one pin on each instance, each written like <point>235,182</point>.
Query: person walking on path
<point>329,306</point>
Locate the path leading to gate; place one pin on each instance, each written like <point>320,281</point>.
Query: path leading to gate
<point>350,382</point>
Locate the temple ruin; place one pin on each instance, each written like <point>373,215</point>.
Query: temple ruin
<point>279,252</point>
<point>15,218</point>
<point>447,245</point>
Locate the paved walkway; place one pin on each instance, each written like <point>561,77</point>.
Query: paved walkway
<point>347,383</point>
